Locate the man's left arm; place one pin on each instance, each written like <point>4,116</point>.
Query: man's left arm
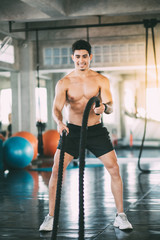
<point>106,104</point>
<point>106,96</point>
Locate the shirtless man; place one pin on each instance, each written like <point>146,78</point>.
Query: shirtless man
<point>73,91</point>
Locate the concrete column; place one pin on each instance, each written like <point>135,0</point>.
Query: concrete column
<point>28,84</point>
<point>122,115</point>
<point>16,102</point>
<point>50,96</point>
<point>51,84</point>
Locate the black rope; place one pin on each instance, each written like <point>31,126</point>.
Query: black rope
<point>37,59</point>
<point>155,58</point>
<point>59,189</point>
<point>145,120</point>
<point>82,163</point>
<point>81,173</point>
<point>40,125</point>
<point>147,24</point>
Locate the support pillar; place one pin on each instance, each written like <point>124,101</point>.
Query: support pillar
<point>16,102</point>
<point>50,96</point>
<point>27,86</point>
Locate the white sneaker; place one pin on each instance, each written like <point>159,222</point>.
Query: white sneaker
<point>47,224</point>
<point>122,222</point>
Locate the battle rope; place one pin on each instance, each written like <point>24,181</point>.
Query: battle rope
<point>82,163</point>
<point>83,137</point>
<point>59,189</point>
<point>147,24</point>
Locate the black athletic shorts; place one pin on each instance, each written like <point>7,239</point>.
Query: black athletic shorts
<point>98,140</point>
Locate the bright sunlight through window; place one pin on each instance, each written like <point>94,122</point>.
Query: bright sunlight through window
<point>41,104</point>
<point>153,100</point>
<point>8,55</point>
<point>5,105</point>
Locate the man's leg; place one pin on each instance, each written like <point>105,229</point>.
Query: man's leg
<point>110,162</point>
<point>54,177</point>
<point>47,224</point>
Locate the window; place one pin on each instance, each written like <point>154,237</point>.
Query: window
<point>97,53</point>
<point>48,56</point>
<point>5,105</point>
<point>57,56</point>
<point>65,55</point>
<point>106,54</point>
<point>153,100</point>
<point>41,104</point>
<point>109,53</point>
<point>7,55</point>
<point>119,53</point>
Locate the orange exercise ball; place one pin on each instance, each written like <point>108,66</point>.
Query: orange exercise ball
<point>50,142</point>
<point>2,137</point>
<point>31,138</point>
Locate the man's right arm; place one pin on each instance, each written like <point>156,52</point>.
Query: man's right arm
<point>58,104</point>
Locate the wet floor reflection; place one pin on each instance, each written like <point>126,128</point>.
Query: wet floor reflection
<point>24,203</point>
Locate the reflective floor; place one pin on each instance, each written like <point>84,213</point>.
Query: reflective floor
<point>24,200</point>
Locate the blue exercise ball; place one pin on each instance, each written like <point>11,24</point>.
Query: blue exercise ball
<point>18,152</point>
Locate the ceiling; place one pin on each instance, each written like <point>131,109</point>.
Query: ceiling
<point>41,12</point>
<point>37,13</point>
<point>51,10</point>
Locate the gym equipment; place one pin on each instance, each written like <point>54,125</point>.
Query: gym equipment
<point>50,142</point>
<point>147,24</point>
<point>2,137</point>
<point>31,138</point>
<point>18,152</point>
<point>40,127</point>
<point>82,146</point>
<point>59,188</point>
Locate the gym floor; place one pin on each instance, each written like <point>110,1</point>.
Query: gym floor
<point>24,200</point>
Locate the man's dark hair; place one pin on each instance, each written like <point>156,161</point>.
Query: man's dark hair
<point>81,45</point>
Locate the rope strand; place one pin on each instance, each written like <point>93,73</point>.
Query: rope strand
<point>59,189</point>
<point>83,138</point>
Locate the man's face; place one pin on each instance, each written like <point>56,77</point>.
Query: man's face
<point>81,59</point>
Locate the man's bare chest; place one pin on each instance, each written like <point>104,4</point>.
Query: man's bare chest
<point>78,90</point>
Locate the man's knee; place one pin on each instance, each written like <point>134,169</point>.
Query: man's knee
<point>114,170</point>
<point>55,171</point>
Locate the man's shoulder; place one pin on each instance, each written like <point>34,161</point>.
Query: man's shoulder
<point>66,78</point>
<point>100,76</point>
<point>64,81</point>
